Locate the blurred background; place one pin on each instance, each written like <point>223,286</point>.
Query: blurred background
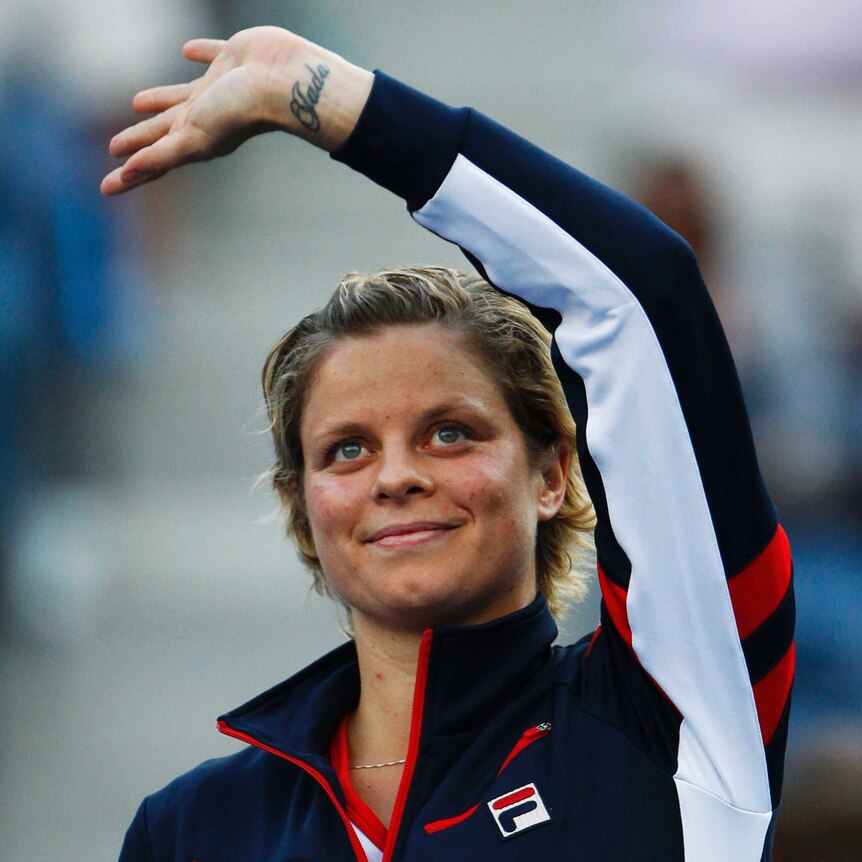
<point>145,590</point>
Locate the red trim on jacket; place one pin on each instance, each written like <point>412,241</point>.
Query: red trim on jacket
<point>357,809</point>
<point>615,601</point>
<point>528,737</point>
<point>446,822</point>
<point>413,744</point>
<point>596,633</point>
<point>351,832</point>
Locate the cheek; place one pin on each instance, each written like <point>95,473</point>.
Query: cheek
<point>329,504</point>
<point>499,487</point>
<point>331,522</point>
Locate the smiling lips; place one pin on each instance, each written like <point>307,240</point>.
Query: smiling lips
<point>407,535</point>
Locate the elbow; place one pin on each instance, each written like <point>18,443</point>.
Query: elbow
<point>674,279</point>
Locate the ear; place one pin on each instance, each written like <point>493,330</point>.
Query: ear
<point>554,475</point>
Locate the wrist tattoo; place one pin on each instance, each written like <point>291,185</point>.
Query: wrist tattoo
<point>302,106</point>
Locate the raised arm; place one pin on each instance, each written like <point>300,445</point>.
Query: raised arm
<point>695,571</point>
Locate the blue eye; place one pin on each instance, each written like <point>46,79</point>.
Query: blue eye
<point>350,450</point>
<point>448,434</point>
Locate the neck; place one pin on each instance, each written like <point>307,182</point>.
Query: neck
<point>379,730</point>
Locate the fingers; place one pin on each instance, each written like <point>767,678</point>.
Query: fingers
<point>127,177</point>
<point>113,183</point>
<point>160,98</point>
<point>203,50</point>
<point>139,169</point>
<point>142,134</point>
<point>168,153</point>
<point>154,161</point>
<point>152,148</point>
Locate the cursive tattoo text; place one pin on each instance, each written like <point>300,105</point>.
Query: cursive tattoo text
<point>302,106</point>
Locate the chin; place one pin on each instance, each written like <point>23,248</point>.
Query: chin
<point>425,607</point>
<point>419,594</point>
<point>421,603</point>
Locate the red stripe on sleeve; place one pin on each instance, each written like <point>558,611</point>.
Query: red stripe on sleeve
<point>771,693</point>
<point>615,599</point>
<point>759,588</point>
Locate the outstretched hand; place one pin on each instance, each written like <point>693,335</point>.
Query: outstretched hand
<point>259,80</point>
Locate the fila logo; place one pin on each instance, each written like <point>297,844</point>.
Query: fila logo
<point>519,810</point>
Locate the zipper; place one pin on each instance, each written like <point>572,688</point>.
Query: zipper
<point>351,833</point>
<point>528,737</point>
<point>412,745</point>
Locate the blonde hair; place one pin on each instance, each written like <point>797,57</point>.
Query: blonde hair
<point>515,350</point>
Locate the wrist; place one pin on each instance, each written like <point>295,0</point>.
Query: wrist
<point>318,97</point>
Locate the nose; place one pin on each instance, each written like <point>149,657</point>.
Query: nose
<point>401,473</point>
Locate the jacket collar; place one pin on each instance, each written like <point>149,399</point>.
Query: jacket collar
<point>470,675</point>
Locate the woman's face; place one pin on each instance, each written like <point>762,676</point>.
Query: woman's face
<point>422,501</point>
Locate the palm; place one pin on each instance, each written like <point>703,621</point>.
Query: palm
<point>211,115</point>
<point>208,117</point>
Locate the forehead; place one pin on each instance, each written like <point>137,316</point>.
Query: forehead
<point>395,371</point>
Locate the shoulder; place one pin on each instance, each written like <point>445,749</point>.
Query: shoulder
<point>234,773</point>
<point>209,796</point>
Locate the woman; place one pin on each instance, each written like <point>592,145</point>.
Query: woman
<point>422,482</point>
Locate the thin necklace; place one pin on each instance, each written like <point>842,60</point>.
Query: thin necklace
<point>377,765</point>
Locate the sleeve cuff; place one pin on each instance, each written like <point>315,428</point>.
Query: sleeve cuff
<point>404,140</point>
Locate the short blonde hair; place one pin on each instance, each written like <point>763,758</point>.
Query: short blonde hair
<point>515,350</point>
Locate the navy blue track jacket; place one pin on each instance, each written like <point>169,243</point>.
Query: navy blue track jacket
<point>659,738</point>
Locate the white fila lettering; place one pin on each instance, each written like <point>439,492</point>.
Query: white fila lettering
<point>518,810</point>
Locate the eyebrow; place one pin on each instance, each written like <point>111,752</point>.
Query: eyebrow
<point>356,429</point>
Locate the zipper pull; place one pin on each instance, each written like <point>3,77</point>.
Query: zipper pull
<point>537,731</point>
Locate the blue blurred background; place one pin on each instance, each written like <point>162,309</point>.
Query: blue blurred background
<point>145,590</point>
